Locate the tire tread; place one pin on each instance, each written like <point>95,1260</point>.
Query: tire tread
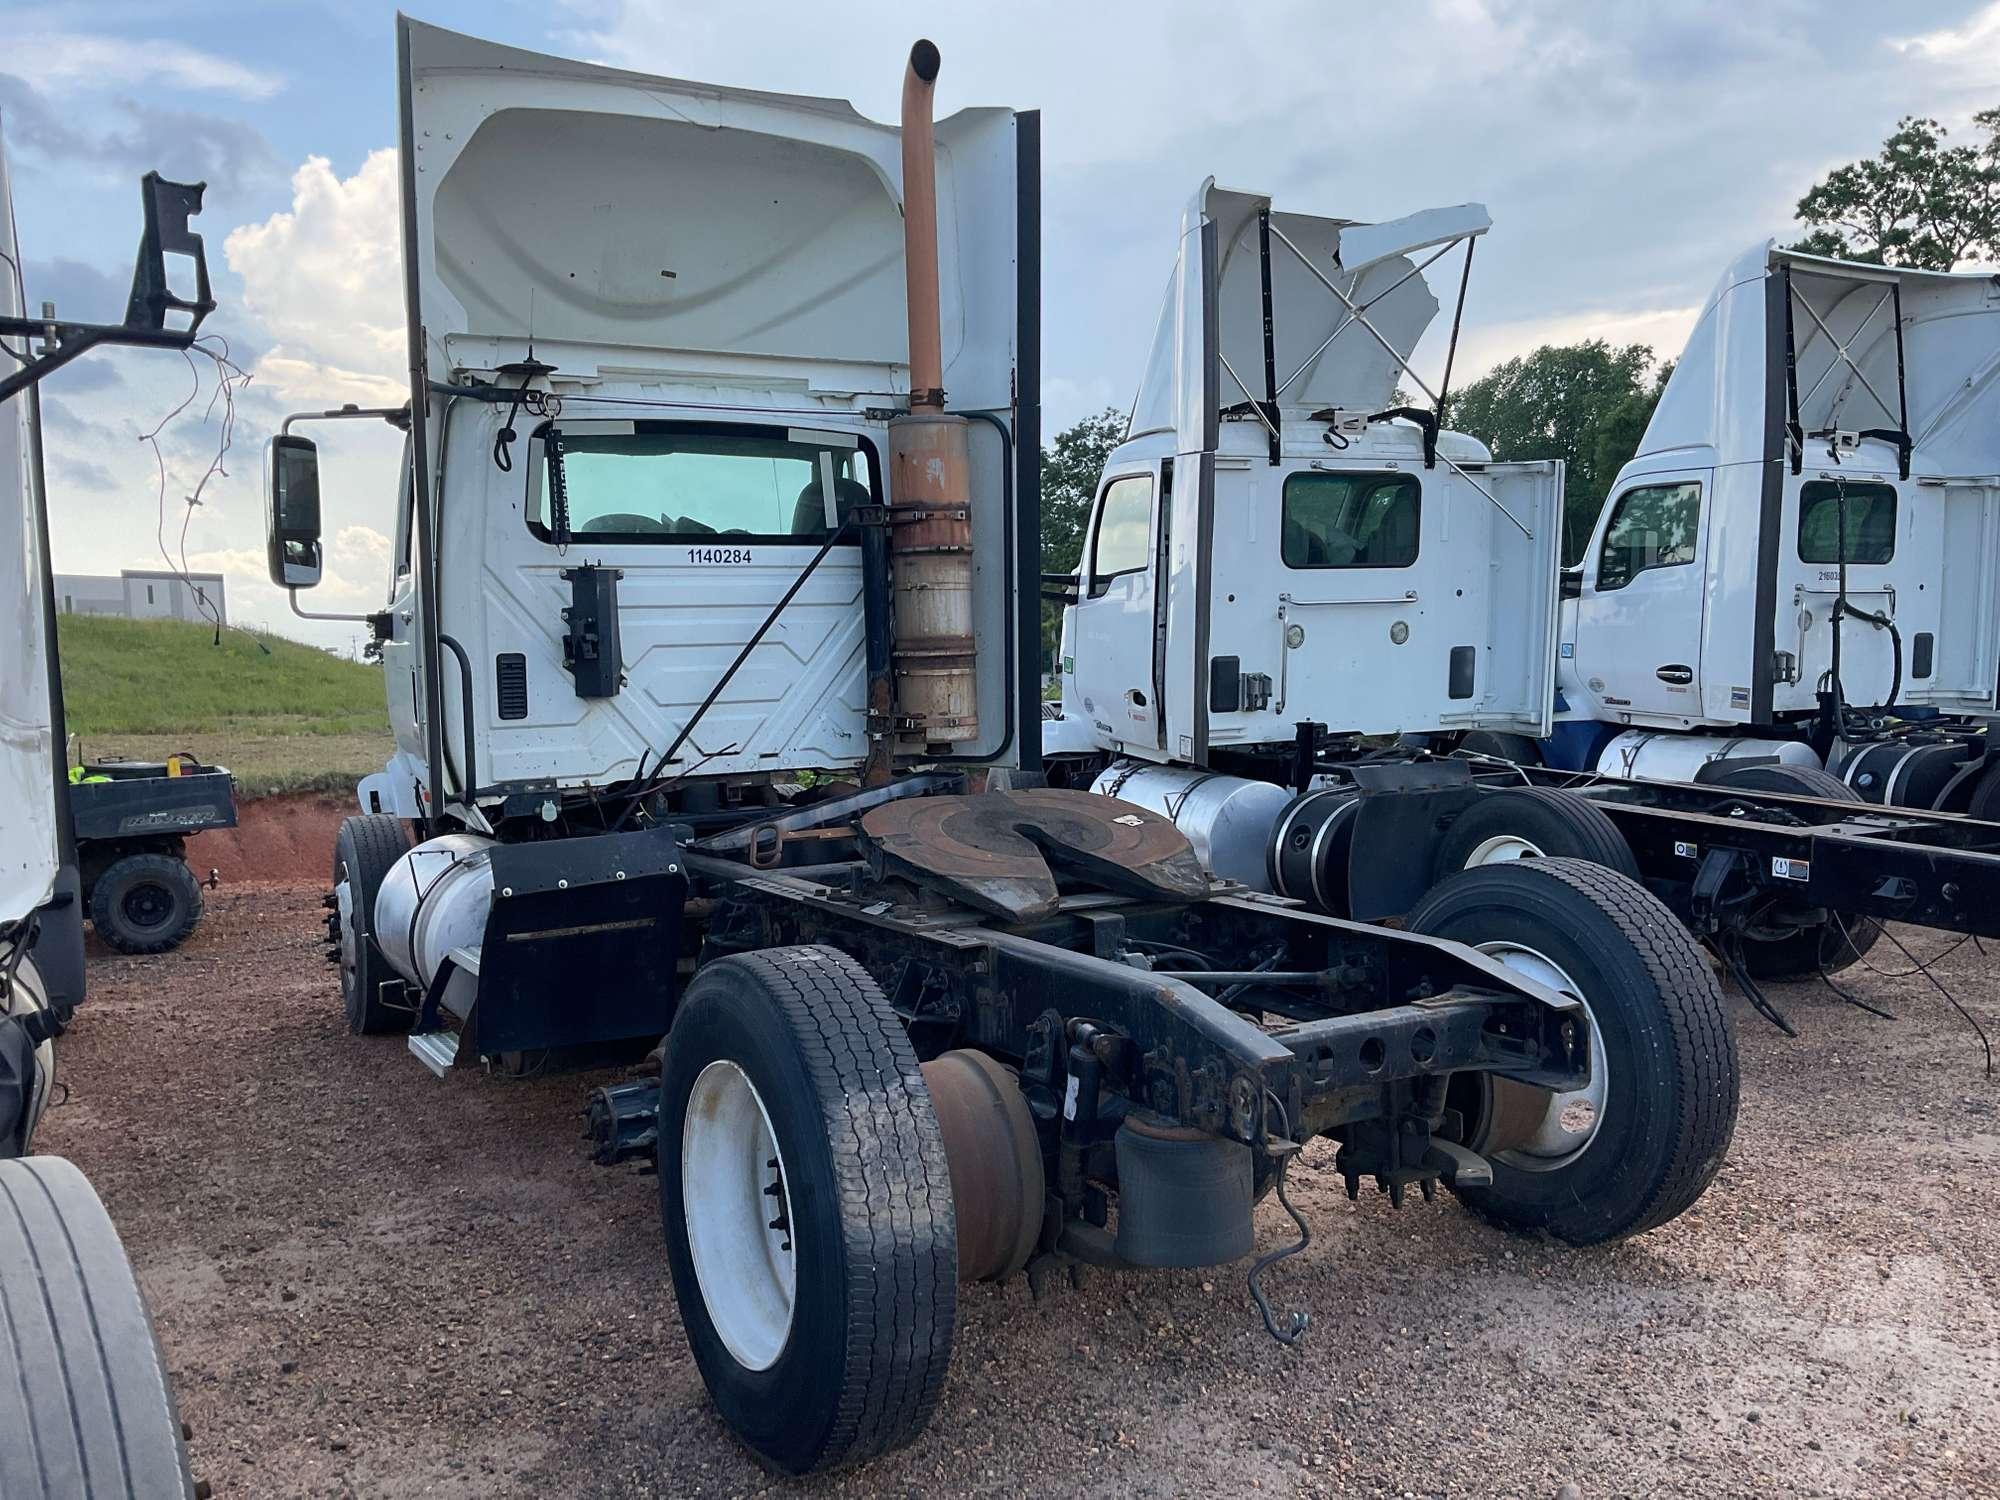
<point>378,841</point>
<point>1705,1079</point>
<point>895,1205</point>
<point>1597,837</point>
<point>104,895</point>
<point>85,1405</point>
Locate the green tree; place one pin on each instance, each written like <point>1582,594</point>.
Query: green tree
<point>1587,404</point>
<point>1071,465</point>
<point>1918,202</point>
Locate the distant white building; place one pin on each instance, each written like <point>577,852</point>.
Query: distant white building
<point>145,594</point>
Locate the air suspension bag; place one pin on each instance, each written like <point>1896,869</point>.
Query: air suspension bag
<point>1183,1196</point>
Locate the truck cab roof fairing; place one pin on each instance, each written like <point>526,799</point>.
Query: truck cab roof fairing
<point>650,226</point>
<point>1322,354</point>
<point>28,854</point>
<point>1949,354</point>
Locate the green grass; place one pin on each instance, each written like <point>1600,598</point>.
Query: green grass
<point>283,716</point>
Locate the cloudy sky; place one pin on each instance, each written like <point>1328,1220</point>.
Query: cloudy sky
<point>1626,152</point>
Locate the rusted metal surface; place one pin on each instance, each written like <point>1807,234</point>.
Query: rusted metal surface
<point>997,1185</point>
<point>930,550</point>
<point>930,468</point>
<point>920,265</point>
<point>1001,851</point>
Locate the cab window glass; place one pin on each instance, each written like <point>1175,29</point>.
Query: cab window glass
<point>1124,530</point>
<point>1870,526</point>
<point>1350,520</point>
<point>668,482</point>
<point>1654,526</point>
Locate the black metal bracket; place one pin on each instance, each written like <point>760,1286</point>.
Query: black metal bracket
<point>168,206</point>
<point>1428,421</point>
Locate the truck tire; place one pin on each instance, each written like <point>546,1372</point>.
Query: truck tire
<point>86,1412</point>
<point>364,849</point>
<point>1985,803</point>
<point>1532,822</point>
<point>145,903</point>
<point>1826,947</point>
<point>790,1089</point>
<point>1641,1141</point>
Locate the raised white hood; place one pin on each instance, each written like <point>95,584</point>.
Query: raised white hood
<point>27,742</point>
<point>669,230</point>
<point>1373,265</point>
<point>1949,350</point>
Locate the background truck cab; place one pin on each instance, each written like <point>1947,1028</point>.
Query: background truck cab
<point>1283,537</point>
<point>1814,511</point>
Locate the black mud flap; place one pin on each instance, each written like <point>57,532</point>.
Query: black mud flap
<point>580,945</point>
<point>1405,808</point>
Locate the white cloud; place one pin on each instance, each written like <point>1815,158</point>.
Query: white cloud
<point>363,544</point>
<point>67,60</point>
<point>325,280</point>
<point>1977,39</point>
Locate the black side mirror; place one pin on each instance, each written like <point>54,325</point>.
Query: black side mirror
<point>291,511</point>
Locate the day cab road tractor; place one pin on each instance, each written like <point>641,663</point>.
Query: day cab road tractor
<point>86,1408</point>
<point>1803,558</point>
<point>712,655</point>
<point>1318,630</point>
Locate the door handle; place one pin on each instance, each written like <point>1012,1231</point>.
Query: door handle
<point>1675,673</point>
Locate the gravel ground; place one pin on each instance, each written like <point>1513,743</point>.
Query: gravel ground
<point>370,1282</point>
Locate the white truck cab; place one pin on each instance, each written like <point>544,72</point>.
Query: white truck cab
<point>1828,435</point>
<point>1282,538</point>
<point>658,337</point>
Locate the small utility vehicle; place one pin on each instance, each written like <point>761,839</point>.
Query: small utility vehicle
<point>132,821</point>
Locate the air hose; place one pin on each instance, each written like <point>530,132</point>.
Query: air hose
<point>1843,608</point>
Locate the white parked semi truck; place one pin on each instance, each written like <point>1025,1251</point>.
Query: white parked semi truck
<point>1297,590</point>
<point>712,655</point>
<point>86,1408</point>
<point>1803,558</point>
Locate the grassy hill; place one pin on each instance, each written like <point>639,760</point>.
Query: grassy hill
<point>283,716</point>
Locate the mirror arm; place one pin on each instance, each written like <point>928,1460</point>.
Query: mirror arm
<point>395,416</point>
<point>306,614</point>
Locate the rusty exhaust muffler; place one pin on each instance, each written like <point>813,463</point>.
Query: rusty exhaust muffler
<point>932,648</point>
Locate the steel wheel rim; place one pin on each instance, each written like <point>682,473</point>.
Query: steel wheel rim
<point>350,947</point>
<point>737,1206</point>
<point>1502,848</point>
<point>1567,1121</point>
<point>147,905</point>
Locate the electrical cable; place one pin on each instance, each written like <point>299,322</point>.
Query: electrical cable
<point>1923,966</point>
<point>229,376</point>
<point>1296,1321</point>
<point>1853,999</point>
<point>1730,950</point>
<point>1148,945</point>
<point>649,782</point>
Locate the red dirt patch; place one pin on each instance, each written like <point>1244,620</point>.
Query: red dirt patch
<point>276,841</point>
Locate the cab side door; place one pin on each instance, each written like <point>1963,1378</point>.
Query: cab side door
<point>1111,629</point>
<point>1639,616</point>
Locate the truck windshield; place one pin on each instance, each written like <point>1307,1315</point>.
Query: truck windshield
<point>661,481</point>
<point>1870,525</point>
